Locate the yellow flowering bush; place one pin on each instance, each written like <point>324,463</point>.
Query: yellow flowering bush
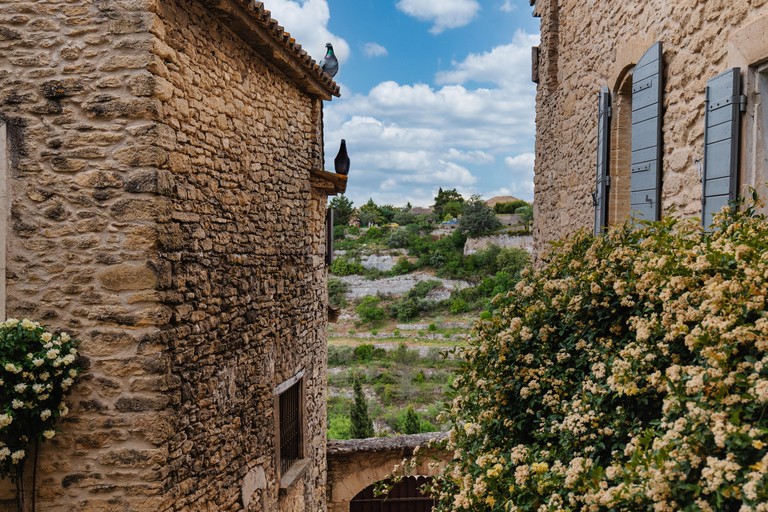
<point>36,371</point>
<point>630,373</point>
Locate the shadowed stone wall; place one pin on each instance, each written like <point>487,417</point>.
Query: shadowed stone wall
<point>161,211</point>
<point>585,45</point>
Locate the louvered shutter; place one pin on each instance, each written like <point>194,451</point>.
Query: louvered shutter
<point>721,143</point>
<point>329,214</point>
<point>647,91</point>
<point>603,180</point>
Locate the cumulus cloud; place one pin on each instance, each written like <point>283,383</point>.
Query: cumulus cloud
<point>404,138</point>
<point>307,22</point>
<point>444,14</point>
<point>374,50</point>
<point>502,66</point>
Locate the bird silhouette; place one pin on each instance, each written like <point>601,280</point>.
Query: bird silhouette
<point>341,162</point>
<point>329,64</point>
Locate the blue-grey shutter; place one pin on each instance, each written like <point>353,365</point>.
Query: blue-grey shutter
<point>721,143</point>
<point>329,214</point>
<point>600,198</point>
<point>647,91</point>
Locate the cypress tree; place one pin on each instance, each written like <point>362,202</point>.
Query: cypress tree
<point>411,425</point>
<point>362,425</point>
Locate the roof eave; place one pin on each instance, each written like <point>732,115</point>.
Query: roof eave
<point>254,25</point>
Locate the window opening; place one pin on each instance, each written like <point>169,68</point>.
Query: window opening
<point>291,425</point>
<point>620,166</point>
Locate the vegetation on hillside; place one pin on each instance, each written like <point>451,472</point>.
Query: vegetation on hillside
<point>629,374</point>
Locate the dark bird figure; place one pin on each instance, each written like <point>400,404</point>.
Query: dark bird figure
<point>341,162</point>
<point>329,64</point>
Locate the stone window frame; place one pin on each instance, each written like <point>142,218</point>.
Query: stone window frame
<point>297,381</point>
<point>748,50</point>
<point>620,152</point>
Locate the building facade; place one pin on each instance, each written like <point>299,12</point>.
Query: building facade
<point>164,202</point>
<point>647,108</point>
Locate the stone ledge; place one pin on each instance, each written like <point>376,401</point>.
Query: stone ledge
<point>382,444</point>
<point>293,475</point>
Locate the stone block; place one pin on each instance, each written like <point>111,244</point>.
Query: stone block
<point>141,155</point>
<point>62,88</point>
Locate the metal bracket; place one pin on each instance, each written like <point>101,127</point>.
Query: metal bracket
<point>648,199</point>
<point>698,168</point>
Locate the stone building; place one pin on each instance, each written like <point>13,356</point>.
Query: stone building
<point>629,96</point>
<point>164,199</point>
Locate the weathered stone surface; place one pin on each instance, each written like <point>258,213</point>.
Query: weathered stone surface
<point>127,277</point>
<point>62,88</point>
<point>141,155</point>
<point>700,40</point>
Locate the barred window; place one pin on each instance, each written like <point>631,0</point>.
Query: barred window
<point>290,428</point>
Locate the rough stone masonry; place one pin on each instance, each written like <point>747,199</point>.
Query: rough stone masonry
<point>160,209</point>
<point>585,45</point>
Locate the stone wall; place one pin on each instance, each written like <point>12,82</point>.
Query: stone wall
<point>161,211</point>
<point>585,45</point>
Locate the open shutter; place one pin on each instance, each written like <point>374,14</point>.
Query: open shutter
<point>721,143</point>
<point>329,214</point>
<point>647,91</point>
<point>600,198</point>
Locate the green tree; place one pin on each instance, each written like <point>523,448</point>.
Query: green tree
<point>477,217</point>
<point>526,214</point>
<point>343,208</point>
<point>370,213</point>
<point>443,198</point>
<point>452,208</point>
<point>369,310</point>
<point>411,424</point>
<point>362,425</point>
<point>509,207</point>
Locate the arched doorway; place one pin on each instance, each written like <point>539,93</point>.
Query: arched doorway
<point>405,496</point>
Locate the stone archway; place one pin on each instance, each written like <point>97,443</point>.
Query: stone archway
<point>356,464</point>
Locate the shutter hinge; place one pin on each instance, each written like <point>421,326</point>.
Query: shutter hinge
<point>742,103</point>
<point>594,199</point>
<point>609,111</point>
<point>607,181</point>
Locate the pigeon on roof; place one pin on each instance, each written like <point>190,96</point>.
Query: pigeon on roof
<point>341,162</point>
<point>329,64</point>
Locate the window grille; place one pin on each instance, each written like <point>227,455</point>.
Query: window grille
<point>290,410</point>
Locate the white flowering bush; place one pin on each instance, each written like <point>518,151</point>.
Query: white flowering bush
<point>629,374</point>
<point>36,370</point>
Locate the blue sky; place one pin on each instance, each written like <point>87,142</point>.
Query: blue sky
<point>434,93</point>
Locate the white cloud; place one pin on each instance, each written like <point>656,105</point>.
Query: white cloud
<point>443,13</point>
<point>476,156</point>
<point>307,22</point>
<point>503,65</point>
<point>407,137</point>
<point>374,50</point>
<point>507,6</point>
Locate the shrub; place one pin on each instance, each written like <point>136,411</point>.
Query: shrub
<point>337,290</point>
<point>432,327</point>
<point>339,232</point>
<point>459,306</point>
<point>340,355</point>
<point>339,427</point>
<point>404,355</point>
<point>369,310</point>
<point>486,315</point>
<point>398,238</point>
<point>628,374</point>
<point>379,353</point>
<point>37,369</point>
<point>404,309</point>
<point>411,424</point>
<point>364,352</point>
<point>344,267</point>
<point>423,288</point>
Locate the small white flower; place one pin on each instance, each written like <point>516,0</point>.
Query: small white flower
<point>46,337</point>
<point>38,362</point>
<point>48,434</point>
<point>52,354</point>
<point>73,373</point>
<point>69,359</point>
<point>73,351</point>
<point>30,355</point>
<point>4,453</point>
<point>45,414</point>
<point>28,324</point>
<point>48,345</point>
<point>10,367</point>
<point>64,409</point>
<point>43,397</point>
<point>44,376</point>
<point>5,420</point>
<point>17,456</point>
<point>38,388</point>
<point>17,403</point>
<point>64,337</point>
<point>20,387</point>
<point>12,322</point>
